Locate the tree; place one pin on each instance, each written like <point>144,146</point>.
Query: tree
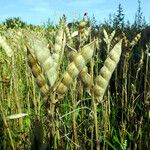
<point>118,21</point>
<point>139,22</point>
<point>14,22</point>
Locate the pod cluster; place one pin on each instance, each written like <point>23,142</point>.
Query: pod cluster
<point>80,60</point>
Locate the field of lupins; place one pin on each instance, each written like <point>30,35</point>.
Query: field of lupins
<point>73,89</point>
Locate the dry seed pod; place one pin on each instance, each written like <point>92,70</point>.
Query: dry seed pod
<point>40,50</point>
<point>110,64</point>
<point>58,40</point>
<point>112,35</point>
<point>82,24</point>
<point>84,36</point>
<point>47,63</point>
<point>6,47</point>
<point>106,37</point>
<point>68,35</point>
<point>125,40</point>
<point>85,77</point>
<point>75,33</point>
<point>37,72</point>
<point>75,67</point>
<point>135,40</point>
<point>58,49</point>
<point>71,52</point>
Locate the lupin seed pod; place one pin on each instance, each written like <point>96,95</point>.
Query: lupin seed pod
<point>75,67</point>
<point>106,37</point>
<point>68,35</point>
<point>85,77</point>
<point>58,48</point>
<point>82,26</point>
<point>6,47</point>
<point>84,36</point>
<point>135,40</point>
<point>101,81</point>
<point>112,35</point>
<point>40,50</point>
<point>125,40</point>
<point>46,62</point>
<point>37,73</point>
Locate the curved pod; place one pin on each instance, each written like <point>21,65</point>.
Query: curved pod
<point>106,71</point>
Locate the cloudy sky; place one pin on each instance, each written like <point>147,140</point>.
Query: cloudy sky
<point>38,11</point>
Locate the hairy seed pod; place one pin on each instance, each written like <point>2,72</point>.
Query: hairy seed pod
<point>6,47</point>
<point>75,67</point>
<point>37,72</point>
<point>82,24</point>
<point>75,33</point>
<point>85,77</point>
<point>68,35</point>
<point>125,40</point>
<point>135,40</point>
<point>112,35</point>
<point>106,37</point>
<point>101,81</point>
<point>114,42</point>
<point>71,52</point>
<point>84,36</point>
<point>40,50</point>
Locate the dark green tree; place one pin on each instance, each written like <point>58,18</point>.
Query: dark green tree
<point>139,22</point>
<point>118,21</point>
<point>14,22</point>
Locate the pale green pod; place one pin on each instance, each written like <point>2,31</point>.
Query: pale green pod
<point>79,61</point>
<point>135,40</point>
<point>68,35</point>
<point>106,71</point>
<point>6,47</point>
<point>110,64</point>
<point>42,53</point>
<point>73,70</point>
<point>112,35</point>
<point>87,51</point>
<point>102,82</point>
<point>75,33</point>
<point>37,72</point>
<point>85,77</point>
<point>106,37</point>
<point>98,91</point>
<point>58,40</point>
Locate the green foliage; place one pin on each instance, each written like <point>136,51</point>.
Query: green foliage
<point>14,23</point>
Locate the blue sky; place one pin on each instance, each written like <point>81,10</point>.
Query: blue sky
<point>38,11</point>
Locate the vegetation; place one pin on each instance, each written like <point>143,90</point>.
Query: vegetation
<point>76,86</point>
